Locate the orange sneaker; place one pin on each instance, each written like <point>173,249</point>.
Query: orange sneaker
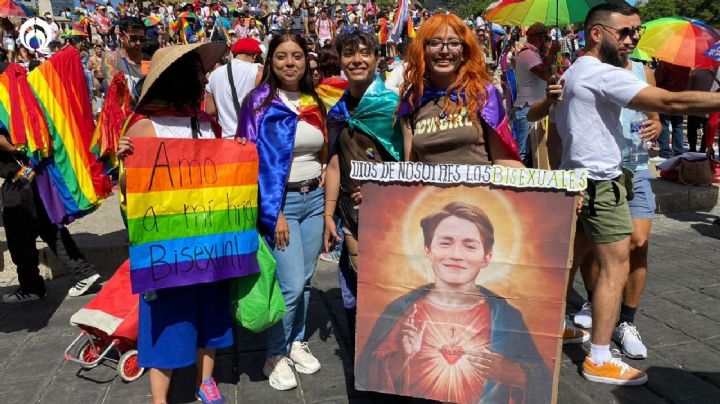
<point>574,335</point>
<point>614,371</point>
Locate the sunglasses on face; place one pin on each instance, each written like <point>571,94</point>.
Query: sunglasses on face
<point>136,38</point>
<point>624,32</point>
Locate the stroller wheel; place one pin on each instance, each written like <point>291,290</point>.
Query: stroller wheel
<point>88,353</point>
<point>127,366</point>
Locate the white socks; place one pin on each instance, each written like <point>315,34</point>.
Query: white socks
<point>600,354</point>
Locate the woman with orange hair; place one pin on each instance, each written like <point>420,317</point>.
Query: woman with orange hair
<point>450,110</point>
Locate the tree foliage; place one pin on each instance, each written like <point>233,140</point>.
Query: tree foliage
<point>705,10</point>
<point>466,8</point>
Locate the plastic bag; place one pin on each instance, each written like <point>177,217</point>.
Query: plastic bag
<point>256,301</point>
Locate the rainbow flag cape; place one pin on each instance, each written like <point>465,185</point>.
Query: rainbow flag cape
<point>492,112</point>
<point>374,116</point>
<point>22,115</point>
<point>76,177</point>
<point>192,208</point>
<point>115,111</point>
<point>330,90</point>
<point>272,129</point>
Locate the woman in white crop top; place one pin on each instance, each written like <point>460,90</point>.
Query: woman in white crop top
<point>286,119</point>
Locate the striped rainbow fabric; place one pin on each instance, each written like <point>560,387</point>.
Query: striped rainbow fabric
<point>330,90</point>
<point>192,208</point>
<point>77,178</point>
<point>22,115</point>
<point>116,109</point>
<point>402,15</point>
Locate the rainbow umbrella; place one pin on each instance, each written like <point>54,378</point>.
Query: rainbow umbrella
<point>152,20</point>
<point>9,8</point>
<point>548,12</point>
<point>678,40</point>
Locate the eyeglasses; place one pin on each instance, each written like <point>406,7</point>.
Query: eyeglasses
<point>136,38</point>
<point>350,29</point>
<point>436,45</point>
<point>625,32</point>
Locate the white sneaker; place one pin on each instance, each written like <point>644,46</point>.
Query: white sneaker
<point>583,318</point>
<point>304,360</point>
<point>628,337</point>
<point>278,370</point>
<point>83,285</point>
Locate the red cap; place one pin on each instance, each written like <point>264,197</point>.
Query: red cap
<point>246,45</point>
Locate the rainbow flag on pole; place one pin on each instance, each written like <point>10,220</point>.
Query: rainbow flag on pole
<point>402,16</point>
<point>192,208</point>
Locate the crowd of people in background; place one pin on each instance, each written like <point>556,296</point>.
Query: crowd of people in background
<point>284,58</point>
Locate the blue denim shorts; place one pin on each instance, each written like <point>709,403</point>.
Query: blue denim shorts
<point>642,206</point>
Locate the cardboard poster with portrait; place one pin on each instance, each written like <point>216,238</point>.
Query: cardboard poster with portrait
<point>461,281</point>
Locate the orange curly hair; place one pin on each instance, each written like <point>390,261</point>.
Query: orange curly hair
<point>472,76</point>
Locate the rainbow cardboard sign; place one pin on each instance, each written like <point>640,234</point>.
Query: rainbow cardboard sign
<point>192,211</point>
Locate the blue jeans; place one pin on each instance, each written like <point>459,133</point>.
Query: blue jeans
<point>521,133</point>
<point>677,135</point>
<point>296,265</point>
<point>89,83</point>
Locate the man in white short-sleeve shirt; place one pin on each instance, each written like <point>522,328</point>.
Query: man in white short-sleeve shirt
<point>588,122</point>
<point>587,118</point>
<point>246,76</point>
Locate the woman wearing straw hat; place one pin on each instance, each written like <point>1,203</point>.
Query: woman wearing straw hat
<point>184,325</point>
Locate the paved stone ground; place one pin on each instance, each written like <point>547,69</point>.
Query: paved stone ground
<point>679,319</point>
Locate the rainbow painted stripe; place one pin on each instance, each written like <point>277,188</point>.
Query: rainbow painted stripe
<point>192,208</point>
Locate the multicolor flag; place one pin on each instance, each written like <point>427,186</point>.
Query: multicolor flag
<point>115,111</point>
<point>80,23</point>
<point>192,208</point>
<point>383,31</point>
<point>22,115</point>
<point>78,179</point>
<point>330,90</point>
<point>402,16</point>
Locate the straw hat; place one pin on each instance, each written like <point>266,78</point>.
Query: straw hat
<point>209,52</point>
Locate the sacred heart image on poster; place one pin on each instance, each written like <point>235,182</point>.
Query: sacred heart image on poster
<point>461,291</point>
